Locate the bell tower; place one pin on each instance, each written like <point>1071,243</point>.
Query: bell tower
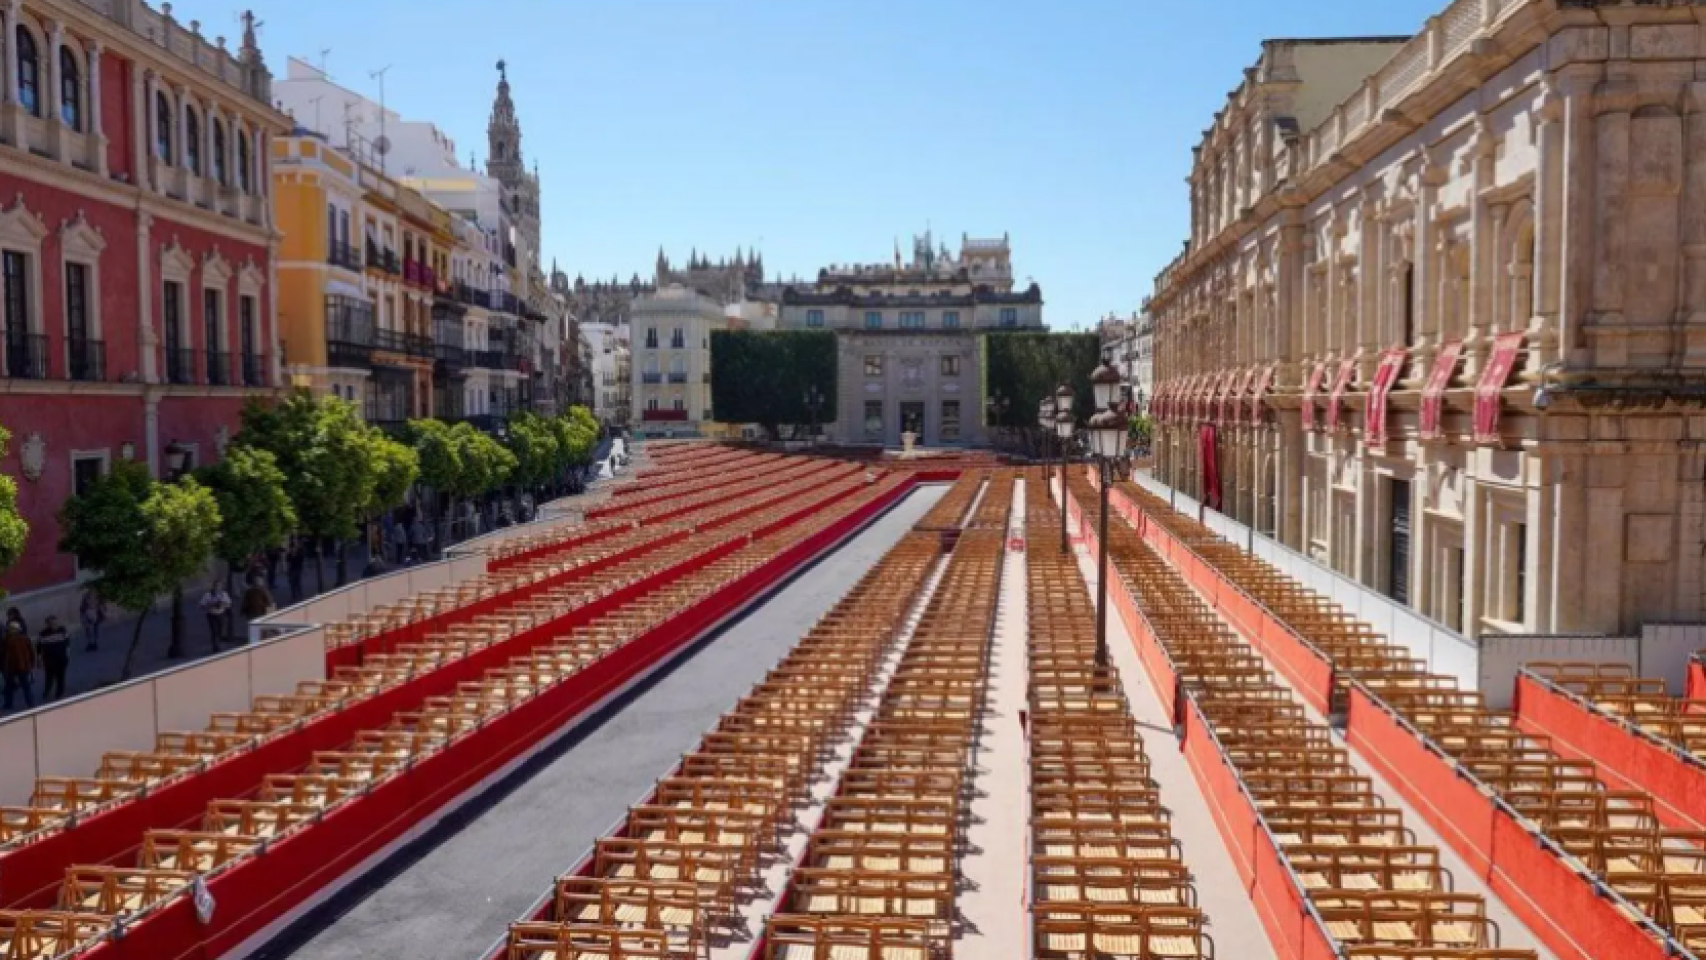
<point>503,137</point>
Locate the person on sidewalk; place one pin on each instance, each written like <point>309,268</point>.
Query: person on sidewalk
<point>17,664</point>
<point>399,542</point>
<point>54,648</point>
<point>216,603</point>
<point>14,615</point>
<point>257,600</point>
<point>420,537</point>
<point>293,561</point>
<point>92,611</point>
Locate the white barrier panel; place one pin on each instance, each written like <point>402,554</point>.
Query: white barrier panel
<point>186,698</point>
<point>276,666</point>
<point>1502,655</point>
<point>1665,649</point>
<point>71,738</point>
<point>17,761</point>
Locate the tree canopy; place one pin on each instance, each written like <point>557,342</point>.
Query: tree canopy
<point>763,376</point>
<point>13,530</point>
<point>255,511</point>
<point>459,460</point>
<point>325,453</point>
<point>396,467</point>
<point>537,447</point>
<point>1023,368</point>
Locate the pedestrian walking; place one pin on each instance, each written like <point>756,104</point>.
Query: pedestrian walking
<point>215,604</point>
<point>399,543</point>
<point>54,649</point>
<point>257,600</point>
<point>14,615</point>
<point>293,560</point>
<point>92,611</point>
<point>17,663</point>
<point>420,537</point>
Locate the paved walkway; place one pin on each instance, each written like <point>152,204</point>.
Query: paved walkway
<point>992,900</point>
<point>454,892</point>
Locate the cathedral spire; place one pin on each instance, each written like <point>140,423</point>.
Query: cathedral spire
<point>503,135</point>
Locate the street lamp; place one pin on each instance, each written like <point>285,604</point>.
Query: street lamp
<point>814,403</point>
<point>996,408</point>
<point>1107,438</point>
<point>1045,420</point>
<point>1063,427</point>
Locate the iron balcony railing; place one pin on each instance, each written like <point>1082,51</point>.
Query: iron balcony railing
<point>26,356</point>
<point>181,365</point>
<point>678,378</point>
<point>255,369</point>
<point>219,368</point>
<point>341,254</point>
<point>87,359</point>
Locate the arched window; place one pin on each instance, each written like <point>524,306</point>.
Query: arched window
<point>192,142</point>
<point>243,161</point>
<point>219,153</point>
<point>163,128</point>
<point>70,89</point>
<point>29,71</point>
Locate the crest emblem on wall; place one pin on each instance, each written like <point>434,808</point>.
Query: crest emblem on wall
<point>33,456</point>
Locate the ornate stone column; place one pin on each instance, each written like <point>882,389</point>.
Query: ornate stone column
<point>147,339</point>
<point>94,128</point>
<point>1692,315</point>
<point>1482,249</point>
<point>12,111</point>
<point>50,75</point>
<point>1548,228</point>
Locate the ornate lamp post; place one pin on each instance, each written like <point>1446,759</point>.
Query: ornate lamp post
<point>995,408</point>
<point>814,403</point>
<point>1045,420</point>
<point>1064,426</point>
<point>1107,430</point>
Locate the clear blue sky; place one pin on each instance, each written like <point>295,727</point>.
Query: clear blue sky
<point>822,130</point>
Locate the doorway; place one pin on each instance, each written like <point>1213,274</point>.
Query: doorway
<point>912,418</point>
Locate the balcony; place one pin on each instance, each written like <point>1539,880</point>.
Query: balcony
<point>383,260</point>
<point>408,344</point>
<point>676,343</point>
<point>651,378</point>
<point>180,365</point>
<point>255,369</point>
<point>471,295</point>
<point>343,255</point>
<point>505,302</point>
<point>219,368</point>
<point>664,415</point>
<point>419,274</point>
<point>678,378</point>
<point>86,359</point>
<point>26,356</point>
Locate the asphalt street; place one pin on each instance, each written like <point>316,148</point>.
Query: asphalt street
<point>454,891</point>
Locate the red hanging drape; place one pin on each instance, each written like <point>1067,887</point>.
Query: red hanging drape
<point>1209,456</point>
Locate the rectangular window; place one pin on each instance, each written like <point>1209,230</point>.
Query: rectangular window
<point>950,320</point>
<point>873,417</point>
<point>873,366</point>
<point>85,470</point>
<point>677,341</point>
<point>912,320</point>
<point>950,365</point>
<point>332,230</point>
<point>873,320</point>
<point>1519,598</point>
<point>651,338</point>
<point>814,318</point>
<point>213,316</point>
<point>83,353</point>
<point>24,354</point>
<point>253,373</point>
<point>1009,316</point>
<point>950,419</point>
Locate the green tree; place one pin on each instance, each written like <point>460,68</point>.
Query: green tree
<point>14,532</point>
<point>1025,367</point>
<point>459,461</point>
<point>255,512</point>
<point>142,538</point>
<point>324,451</point>
<point>763,376</point>
<point>396,467</point>
<point>537,447</point>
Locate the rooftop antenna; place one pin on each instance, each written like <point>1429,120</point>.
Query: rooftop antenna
<point>316,103</point>
<point>325,54</point>
<point>381,146</point>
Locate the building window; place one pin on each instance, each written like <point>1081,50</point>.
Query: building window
<point>1009,316</point>
<point>912,319</point>
<point>814,318</point>
<point>213,316</point>
<point>192,142</point>
<point>873,366</point>
<point>950,419</point>
<point>29,71</point>
<point>873,320</point>
<point>677,340</point>
<point>332,230</point>
<point>219,153</point>
<point>83,351</point>
<point>950,365</point>
<point>873,417</point>
<point>23,357</point>
<point>651,338</point>
<point>950,319</point>
<point>243,167</point>
<point>70,89</point>
<point>86,468</point>
<point>248,329</point>
<point>163,128</point>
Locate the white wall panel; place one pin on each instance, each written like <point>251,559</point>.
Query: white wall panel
<point>17,760</point>
<point>185,698</point>
<point>279,665</point>
<point>70,739</point>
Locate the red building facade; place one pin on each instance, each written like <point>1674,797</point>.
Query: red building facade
<point>136,254</point>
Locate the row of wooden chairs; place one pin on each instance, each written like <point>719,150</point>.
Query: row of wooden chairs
<point>671,880</point>
<point>1616,835</point>
<point>949,512</point>
<point>881,874</point>
<point>285,802</point>
<point>1109,879</point>
<point>706,485</point>
<point>1376,889</point>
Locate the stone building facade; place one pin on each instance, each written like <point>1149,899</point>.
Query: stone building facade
<point>907,338</point>
<point>1441,320</point>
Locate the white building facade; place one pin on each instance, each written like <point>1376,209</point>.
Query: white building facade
<point>671,385</point>
<point>1441,322</point>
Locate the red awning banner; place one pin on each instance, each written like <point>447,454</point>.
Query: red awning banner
<point>1492,383</point>
<point>1335,400</point>
<point>1264,380</point>
<point>1311,390</point>
<point>1433,392</point>
<point>1208,451</point>
<point>1374,413</point>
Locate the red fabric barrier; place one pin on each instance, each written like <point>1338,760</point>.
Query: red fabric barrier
<point>1564,909</point>
<point>1227,802</point>
<point>1626,760</point>
<point>1696,688</point>
<point>257,892</point>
